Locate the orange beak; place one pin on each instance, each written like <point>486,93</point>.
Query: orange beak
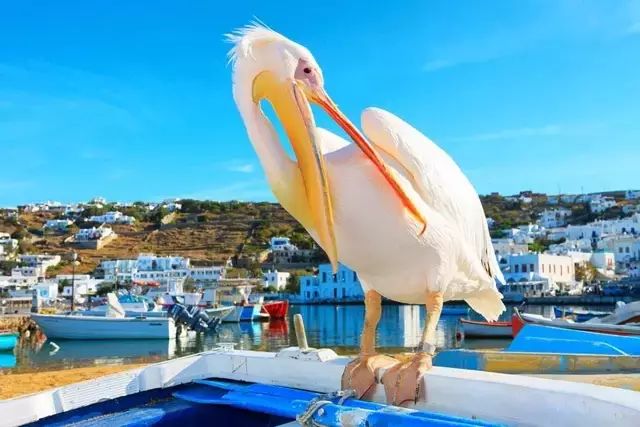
<point>320,97</point>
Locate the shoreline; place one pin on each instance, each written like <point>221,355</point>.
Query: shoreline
<point>20,384</point>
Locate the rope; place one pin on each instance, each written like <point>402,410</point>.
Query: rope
<point>305,419</point>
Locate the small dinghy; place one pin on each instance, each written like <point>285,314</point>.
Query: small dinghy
<point>480,329</point>
<point>520,319</point>
<point>8,340</point>
<point>577,314</point>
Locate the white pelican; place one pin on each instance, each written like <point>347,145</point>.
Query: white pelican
<point>399,212</point>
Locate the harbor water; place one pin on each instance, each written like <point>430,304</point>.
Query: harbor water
<point>331,326</point>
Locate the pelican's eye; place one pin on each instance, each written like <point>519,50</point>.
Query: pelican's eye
<point>307,70</point>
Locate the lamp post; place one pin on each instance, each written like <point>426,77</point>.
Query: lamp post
<point>74,257</point>
<point>116,272</point>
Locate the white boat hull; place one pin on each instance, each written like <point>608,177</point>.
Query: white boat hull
<point>104,328</point>
<point>480,329</point>
<point>502,398</point>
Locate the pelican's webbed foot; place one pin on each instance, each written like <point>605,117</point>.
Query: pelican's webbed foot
<point>361,373</point>
<point>403,382</point>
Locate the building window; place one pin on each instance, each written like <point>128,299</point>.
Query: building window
<point>524,268</point>
<point>355,276</point>
<point>517,268</point>
<point>531,267</point>
<point>335,278</point>
<point>324,277</point>
<point>344,292</point>
<point>620,250</point>
<point>542,265</point>
<point>335,292</point>
<point>626,249</point>
<point>554,269</point>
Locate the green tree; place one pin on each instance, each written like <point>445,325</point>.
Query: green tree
<point>293,284</point>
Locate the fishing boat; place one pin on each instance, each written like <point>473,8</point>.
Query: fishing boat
<point>74,327</point>
<point>238,297</point>
<point>520,319</point>
<point>294,387</point>
<point>221,312</point>
<point>577,314</point>
<point>276,309</point>
<point>112,325</point>
<point>476,328</point>
<point>624,314</point>
<point>8,340</point>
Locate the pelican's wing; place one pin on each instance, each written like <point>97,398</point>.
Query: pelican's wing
<point>436,178</point>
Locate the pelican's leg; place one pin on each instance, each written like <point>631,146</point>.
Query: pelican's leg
<point>360,374</point>
<point>403,383</point>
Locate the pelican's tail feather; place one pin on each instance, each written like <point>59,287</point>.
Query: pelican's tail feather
<point>488,303</point>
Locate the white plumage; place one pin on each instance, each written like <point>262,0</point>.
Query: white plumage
<point>455,255</point>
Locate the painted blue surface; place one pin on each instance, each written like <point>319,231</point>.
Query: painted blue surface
<point>455,311</point>
<point>460,359</point>
<point>227,403</point>
<point>250,312</point>
<point>546,339</point>
<point>8,341</point>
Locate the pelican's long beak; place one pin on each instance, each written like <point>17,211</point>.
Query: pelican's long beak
<point>293,111</point>
<point>319,96</point>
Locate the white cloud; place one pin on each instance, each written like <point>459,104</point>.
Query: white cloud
<point>241,168</point>
<point>549,130</point>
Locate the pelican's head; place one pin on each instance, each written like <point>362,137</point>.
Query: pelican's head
<point>268,66</point>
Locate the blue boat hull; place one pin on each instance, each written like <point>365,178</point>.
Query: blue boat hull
<point>8,341</point>
<point>547,339</point>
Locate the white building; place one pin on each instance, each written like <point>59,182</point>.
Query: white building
<point>601,203</point>
<point>328,286</point>
<point>113,218</point>
<point>632,194</point>
<point>552,218</point>
<point>276,279</point>
<point>83,287</point>
<point>43,260</point>
<point>604,262</point>
<point>282,244</point>
<point>207,274</point>
<point>94,233</point>
<point>625,248</point>
<point>529,267</point>
<point>47,291</point>
<point>57,224</point>
<point>150,268</point>
<point>630,209</point>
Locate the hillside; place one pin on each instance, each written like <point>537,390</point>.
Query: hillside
<point>212,232</point>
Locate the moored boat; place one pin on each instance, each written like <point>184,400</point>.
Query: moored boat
<point>219,312</point>
<point>577,314</point>
<point>548,339</point>
<point>511,362</point>
<point>278,388</point>
<point>73,327</point>
<point>475,328</point>
<point>276,309</point>
<point>8,340</point>
<point>243,313</point>
<point>520,319</point>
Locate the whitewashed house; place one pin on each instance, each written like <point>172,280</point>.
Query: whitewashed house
<point>632,194</point>
<point>282,244</point>
<point>601,204</point>
<point>344,285</point>
<point>207,274</point>
<point>57,224</point>
<point>604,262</point>
<point>93,233</point>
<point>552,218</point>
<point>630,209</point>
<point>275,279</point>
<point>114,217</point>
<point>625,248</point>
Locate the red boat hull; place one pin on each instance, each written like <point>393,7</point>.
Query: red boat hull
<point>277,309</point>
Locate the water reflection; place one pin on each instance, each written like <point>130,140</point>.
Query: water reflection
<point>337,327</point>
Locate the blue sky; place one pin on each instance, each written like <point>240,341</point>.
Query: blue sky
<point>132,100</point>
